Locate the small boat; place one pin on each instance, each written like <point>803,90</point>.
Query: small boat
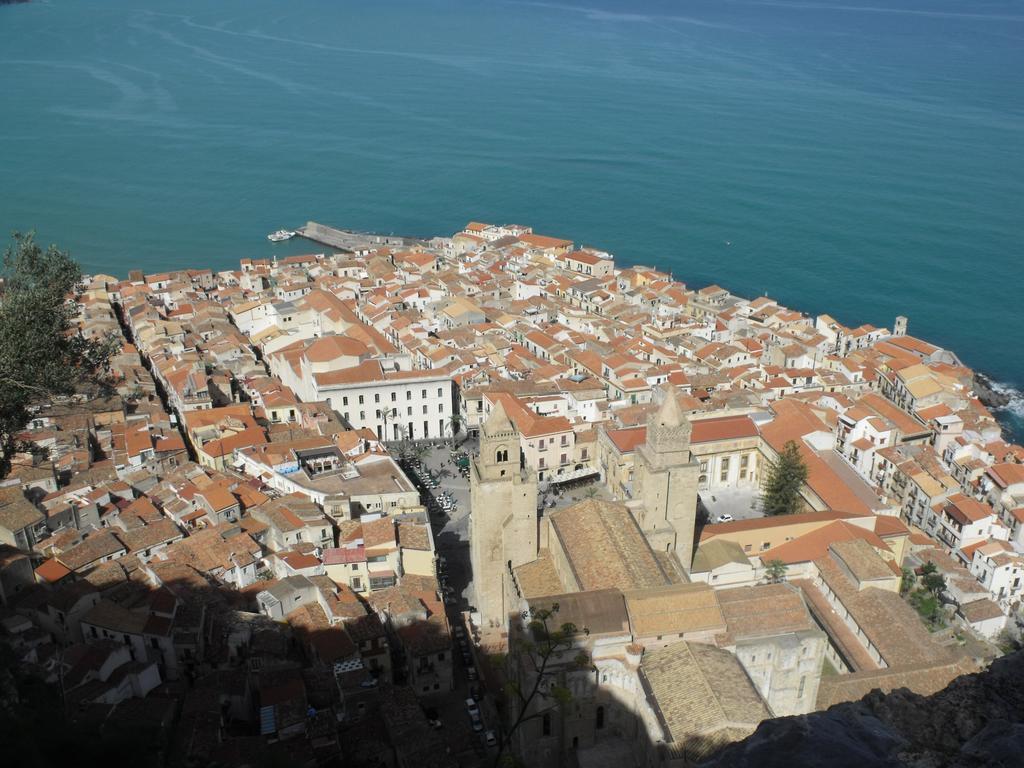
<point>281,234</point>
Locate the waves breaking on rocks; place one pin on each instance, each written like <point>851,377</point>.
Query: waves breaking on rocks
<point>1010,412</point>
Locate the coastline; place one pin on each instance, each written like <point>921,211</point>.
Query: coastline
<point>1004,400</point>
<point>991,393</point>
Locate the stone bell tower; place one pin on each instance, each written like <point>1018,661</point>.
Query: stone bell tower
<point>503,515</point>
<point>666,480</point>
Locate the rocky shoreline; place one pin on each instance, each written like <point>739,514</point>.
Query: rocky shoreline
<point>988,392</point>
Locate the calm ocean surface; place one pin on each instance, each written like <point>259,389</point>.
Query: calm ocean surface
<point>858,157</point>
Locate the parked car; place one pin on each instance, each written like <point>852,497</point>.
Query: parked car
<point>491,739</point>
<point>471,673</point>
<point>472,708</point>
<point>478,724</point>
<point>724,519</point>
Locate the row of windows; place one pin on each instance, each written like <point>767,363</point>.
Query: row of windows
<point>550,441</point>
<point>403,431</point>
<point>563,460</point>
<point>383,414</point>
<point>394,396</point>
<point>723,465</point>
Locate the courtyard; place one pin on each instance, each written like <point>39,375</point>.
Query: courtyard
<point>741,503</point>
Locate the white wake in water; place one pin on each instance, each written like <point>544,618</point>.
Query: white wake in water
<point>1015,406</point>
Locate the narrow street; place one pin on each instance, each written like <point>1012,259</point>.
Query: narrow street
<point>450,527</point>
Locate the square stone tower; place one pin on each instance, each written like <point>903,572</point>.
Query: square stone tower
<point>503,515</point>
<point>666,481</point>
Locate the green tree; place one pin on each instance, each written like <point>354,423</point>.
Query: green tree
<point>42,355</point>
<point>928,600</point>
<point>454,424</point>
<point>785,476</point>
<point>932,580</point>
<point>534,687</point>
<point>907,580</point>
<point>775,571</point>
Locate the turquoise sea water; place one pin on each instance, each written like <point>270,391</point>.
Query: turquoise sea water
<point>856,157</point>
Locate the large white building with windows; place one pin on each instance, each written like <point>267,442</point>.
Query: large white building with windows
<point>381,393</point>
<point>395,405</point>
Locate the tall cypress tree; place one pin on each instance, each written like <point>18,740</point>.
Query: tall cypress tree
<point>786,475</point>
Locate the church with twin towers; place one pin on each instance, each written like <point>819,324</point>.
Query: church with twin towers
<point>508,533</point>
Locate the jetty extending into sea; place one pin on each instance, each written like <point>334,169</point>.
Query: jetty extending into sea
<point>350,241</point>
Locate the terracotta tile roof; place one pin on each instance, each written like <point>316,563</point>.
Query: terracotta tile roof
<point>599,612</point>
<point>328,348</point>
<point>413,536</point>
<point>674,610</point>
<point>715,553</point>
<point>299,560</point>
<point>52,571</point>
<point>542,241</point>
<point>1006,474</point>
<point>605,547</point>
<point>218,497</point>
<point>17,512</point>
<point>526,421</point>
<point>379,533</point>
<point>981,610</point>
<point>204,418</point>
<point>330,643</point>
<point>862,560</point>
<point>725,428</point>
<point>757,524</point>
<point>966,510</point>
<point>922,679</point>
<point>97,545</point>
<point>833,481</point>
<point>815,544</point>
<point>840,635</point>
<point>629,439</point>
<point>903,421</point>
<point>889,623</point>
<point>698,690</point>
<point>539,577</point>
<point>889,525</point>
<point>116,618</point>
<point>767,609</point>
<point>344,555</point>
<point>159,532</point>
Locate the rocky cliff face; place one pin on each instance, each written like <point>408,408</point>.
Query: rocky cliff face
<point>978,720</point>
<point>988,393</point>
